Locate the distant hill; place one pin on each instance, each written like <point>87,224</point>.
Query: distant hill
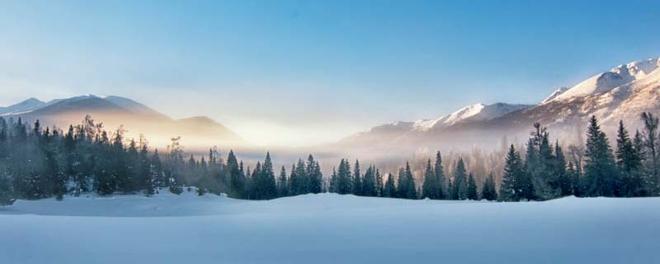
<point>136,118</point>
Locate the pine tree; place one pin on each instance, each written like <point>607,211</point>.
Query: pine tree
<point>390,189</point>
<point>344,178</point>
<point>357,179</point>
<point>379,184</point>
<point>430,187</point>
<point>651,142</point>
<point>315,175</point>
<point>236,177</point>
<point>440,177</point>
<point>282,184</point>
<point>369,182</point>
<point>509,190</point>
<point>459,184</point>
<point>410,189</point>
<point>629,163</point>
<point>488,191</point>
<point>563,178</point>
<point>266,181</point>
<point>472,193</point>
<point>599,168</point>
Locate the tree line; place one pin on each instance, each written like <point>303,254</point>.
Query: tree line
<point>37,162</point>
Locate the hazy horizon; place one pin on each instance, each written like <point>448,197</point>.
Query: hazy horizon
<point>300,73</point>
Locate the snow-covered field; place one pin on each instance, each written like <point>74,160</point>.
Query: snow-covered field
<point>328,228</point>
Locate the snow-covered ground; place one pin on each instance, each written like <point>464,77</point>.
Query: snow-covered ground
<point>328,228</point>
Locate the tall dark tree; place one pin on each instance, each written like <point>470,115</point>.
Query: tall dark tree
<point>344,178</point>
<point>651,142</point>
<point>488,190</point>
<point>563,179</point>
<point>357,179</point>
<point>236,177</point>
<point>430,187</point>
<point>390,189</point>
<point>369,182</point>
<point>513,170</point>
<point>282,184</point>
<point>629,162</point>
<point>599,168</point>
<point>440,176</point>
<point>459,184</point>
<point>472,192</point>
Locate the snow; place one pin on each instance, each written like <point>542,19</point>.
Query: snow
<point>22,107</point>
<point>621,75</point>
<point>328,228</point>
<point>475,112</point>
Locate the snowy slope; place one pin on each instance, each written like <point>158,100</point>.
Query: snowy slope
<point>621,75</point>
<point>24,106</point>
<point>328,228</point>
<point>475,112</point>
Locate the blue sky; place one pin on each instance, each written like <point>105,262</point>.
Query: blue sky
<point>301,72</point>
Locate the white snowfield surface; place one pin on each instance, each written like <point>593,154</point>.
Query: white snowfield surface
<point>328,228</point>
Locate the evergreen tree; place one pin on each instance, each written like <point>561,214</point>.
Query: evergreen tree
<point>599,168</point>
<point>509,189</point>
<point>440,177</point>
<point>357,179</point>
<point>629,163</point>
<point>390,189</point>
<point>488,191</point>
<point>333,181</point>
<point>651,142</point>
<point>472,193</point>
<point>344,178</point>
<point>236,177</point>
<point>315,175</point>
<point>563,178</point>
<point>379,184</point>
<point>430,187</point>
<point>282,184</point>
<point>459,184</point>
<point>369,182</point>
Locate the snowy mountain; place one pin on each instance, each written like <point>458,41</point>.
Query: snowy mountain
<point>24,106</point>
<point>621,93</point>
<point>470,113</point>
<point>136,118</point>
<point>622,75</point>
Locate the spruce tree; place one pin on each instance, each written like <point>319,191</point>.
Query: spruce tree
<point>440,177</point>
<point>472,193</point>
<point>459,183</point>
<point>629,163</point>
<point>369,182</point>
<point>344,178</point>
<point>282,185</point>
<point>563,178</point>
<point>430,186</point>
<point>599,168</point>
<point>513,169</point>
<point>390,189</point>
<point>651,142</point>
<point>357,179</point>
<point>488,190</point>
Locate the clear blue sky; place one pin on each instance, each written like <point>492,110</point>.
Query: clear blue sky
<point>314,71</point>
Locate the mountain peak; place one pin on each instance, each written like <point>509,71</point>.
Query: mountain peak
<point>24,106</point>
<point>473,112</point>
<point>621,75</point>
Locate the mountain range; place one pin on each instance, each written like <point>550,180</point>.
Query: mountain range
<point>621,93</point>
<point>114,111</point>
